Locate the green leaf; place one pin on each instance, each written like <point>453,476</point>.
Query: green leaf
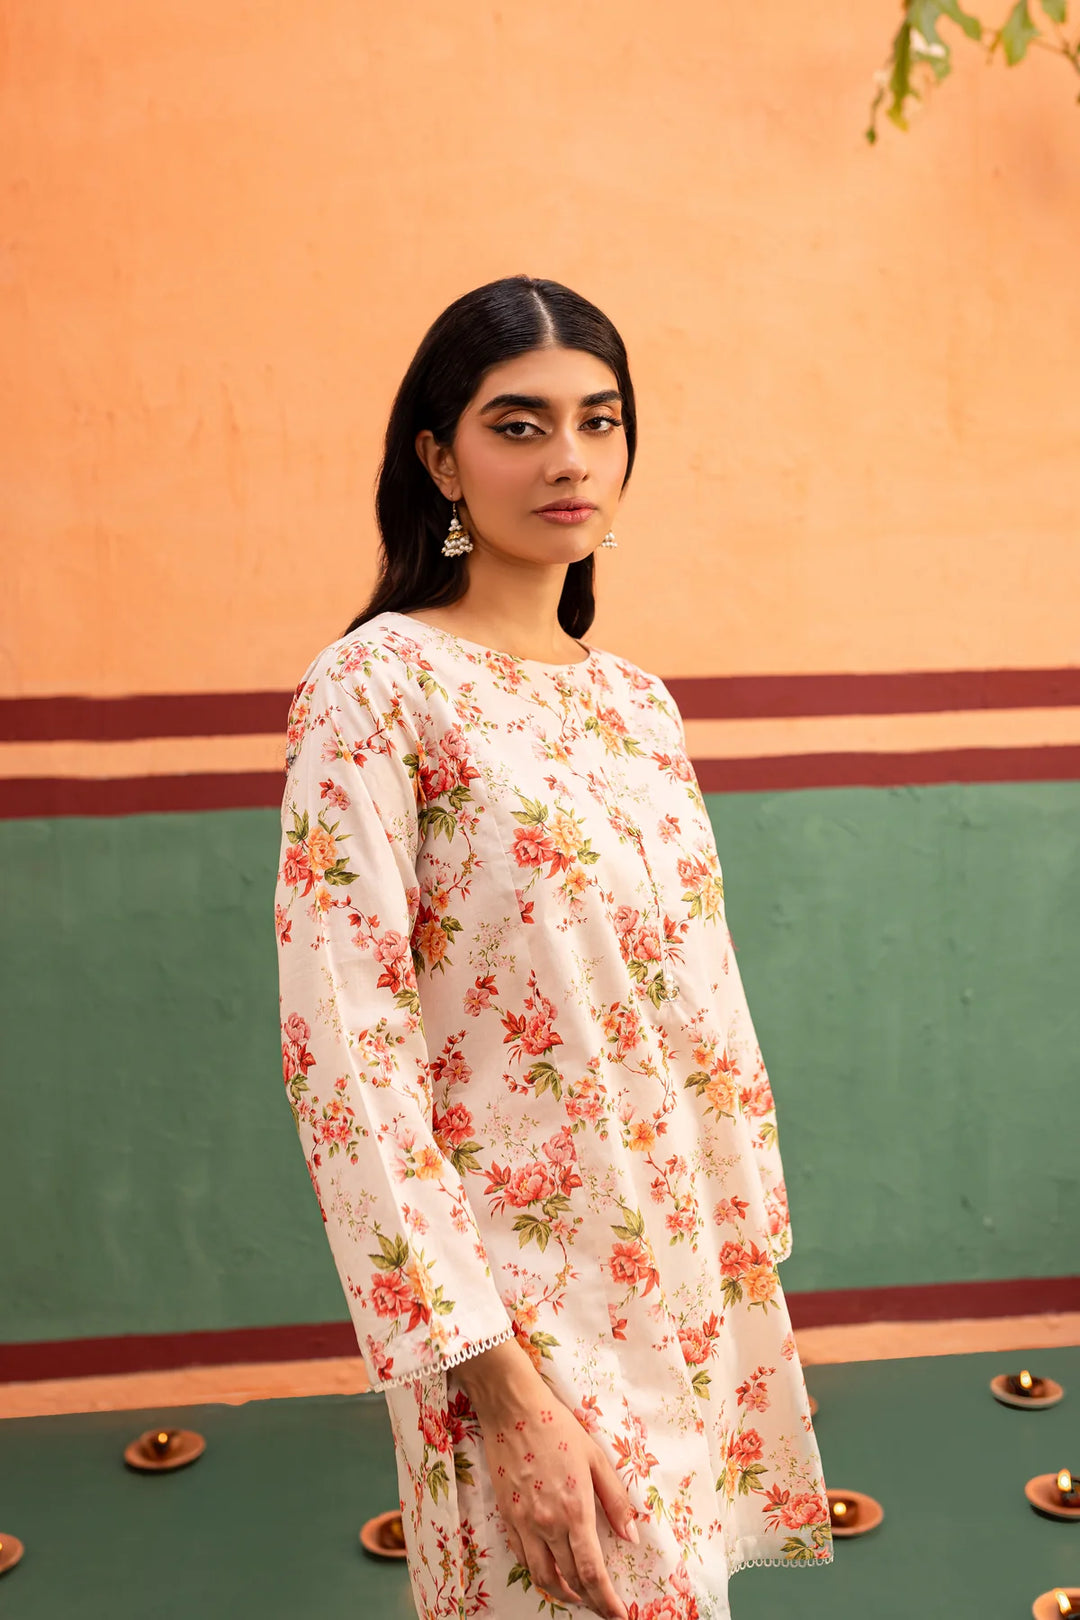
<point>971,25</point>
<point>1055,10</point>
<point>1018,33</point>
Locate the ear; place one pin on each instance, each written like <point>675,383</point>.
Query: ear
<point>440,463</point>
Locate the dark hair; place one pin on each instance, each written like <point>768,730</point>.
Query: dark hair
<point>479,330</point>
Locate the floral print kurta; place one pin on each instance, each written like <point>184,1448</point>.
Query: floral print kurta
<point>531,1100</point>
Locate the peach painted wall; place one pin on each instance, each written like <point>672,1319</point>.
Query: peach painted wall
<point>226,228</point>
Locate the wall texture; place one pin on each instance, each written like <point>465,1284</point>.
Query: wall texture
<point>850,544</point>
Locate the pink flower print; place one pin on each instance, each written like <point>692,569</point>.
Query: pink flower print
<point>452,1128</point>
<point>633,1457</point>
<point>532,846</point>
<point>806,1508</point>
<point>730,1211</point>
<point>757,1099</point>
<point>626,919</point>
<point>695,1346</point>
<point>478,996</point>
<point>334,794</point>
<point>746,1448</point>
<point>529,1184</point>
<point>588,1414</point>
<point>297,1029</point>
<point>560,1147</point>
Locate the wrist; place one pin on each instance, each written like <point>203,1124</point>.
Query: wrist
<point>496,1379</point>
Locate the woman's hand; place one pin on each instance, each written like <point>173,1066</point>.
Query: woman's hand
<point>545,1469</point>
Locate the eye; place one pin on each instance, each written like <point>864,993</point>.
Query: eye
<point>508,430</point>
<point>603,423</point>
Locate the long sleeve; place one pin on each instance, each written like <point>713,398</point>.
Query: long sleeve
<point>410,1258</point>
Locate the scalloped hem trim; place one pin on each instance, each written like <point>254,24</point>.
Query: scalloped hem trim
<point>471,1347</point>
<point>781,1563</point>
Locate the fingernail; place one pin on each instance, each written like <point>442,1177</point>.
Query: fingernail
<point>632,1531</point>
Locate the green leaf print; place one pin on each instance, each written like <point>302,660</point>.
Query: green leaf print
<point>635,1224</point>
<point>339,873</point>
<point>701,1382</point>
<point>438,818</point>
<point>532,1229</point>
<point>464,1156</point>
<point>437,1481</point>
<point>533,814</point>
<point>732,1289</point>
<point>545,1077</point>
<point>463,1468</point>
<point>796,1550</point>
<point>749,1476</point>
<point>394,1253</point>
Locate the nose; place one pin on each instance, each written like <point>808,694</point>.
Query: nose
<point>566,458</point>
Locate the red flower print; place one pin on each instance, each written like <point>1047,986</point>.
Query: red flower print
<point>695,1346</point>
<point>532,846</point>
<point>390,1294</point>
<point>295,869</point>
<point>629,1262</point>
<point>452,1128</point>
<point>804,1509</point>
<point>433,1428</point>
<point>734,1260</point>
<point>529,1184</point>
<point>746,1448</point>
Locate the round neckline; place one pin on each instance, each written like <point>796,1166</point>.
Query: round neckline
<point>495,652</point>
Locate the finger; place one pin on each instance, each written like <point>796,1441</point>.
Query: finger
<point>592,1572</point>
<point>613,1498</point>
<point>544,1571</point>
<point>564,1557</point>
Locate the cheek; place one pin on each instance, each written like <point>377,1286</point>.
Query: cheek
<point>494,474</point>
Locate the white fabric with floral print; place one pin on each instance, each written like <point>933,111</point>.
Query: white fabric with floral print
<point>531,1100</point>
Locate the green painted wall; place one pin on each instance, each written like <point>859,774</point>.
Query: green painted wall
<point>911,961</point>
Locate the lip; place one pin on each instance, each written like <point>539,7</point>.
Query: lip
<point>569,505</point>
<point>567,512</point>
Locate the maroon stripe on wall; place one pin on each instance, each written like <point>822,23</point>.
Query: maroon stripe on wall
<point>49,796</point>
<point>1052,763</point>
<point>768,697</point>
<point>931,1302</point>
<point>700,697</point>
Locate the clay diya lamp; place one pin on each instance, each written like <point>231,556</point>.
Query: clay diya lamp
<point>160,1449</point>
<point>11,1550</point>
<point>1023,1389</point>
<point>1056,1495</point>
<point>1061,1603</point>
<point>852,1513</point>
<point>384,1535</point>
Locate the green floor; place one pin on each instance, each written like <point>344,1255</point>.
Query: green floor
<point>265,1523</point>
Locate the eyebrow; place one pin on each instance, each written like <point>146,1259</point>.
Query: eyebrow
<point>537,402</point>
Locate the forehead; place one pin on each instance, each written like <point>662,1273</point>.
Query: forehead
<point>562,375</point>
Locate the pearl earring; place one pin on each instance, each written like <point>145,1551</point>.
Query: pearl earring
<point>609,539</point>
<point>457,537</point>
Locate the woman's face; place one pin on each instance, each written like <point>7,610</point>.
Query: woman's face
<point>543,428</point>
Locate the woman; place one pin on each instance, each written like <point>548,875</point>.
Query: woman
<point>515,1039</point>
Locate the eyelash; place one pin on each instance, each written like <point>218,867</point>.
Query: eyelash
<point>504,427</point>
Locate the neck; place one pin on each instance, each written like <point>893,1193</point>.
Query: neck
<point>513,607</point>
